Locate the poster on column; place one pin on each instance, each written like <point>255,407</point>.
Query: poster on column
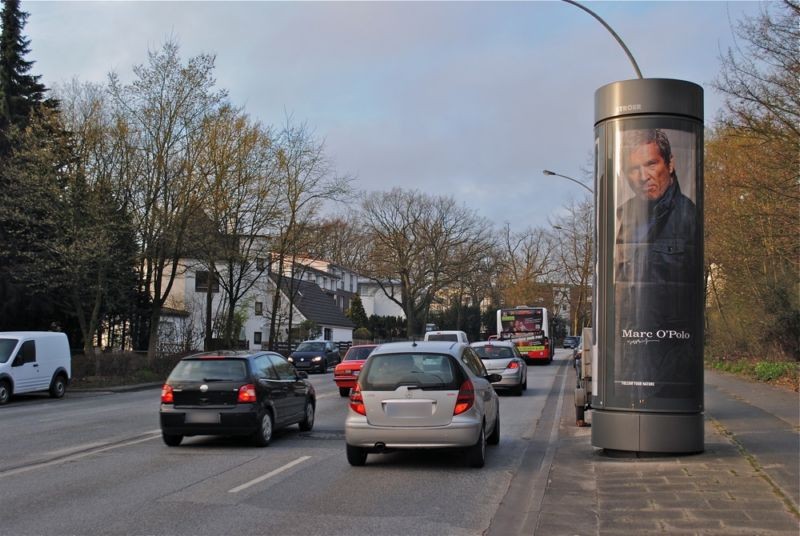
<point>657,256</point>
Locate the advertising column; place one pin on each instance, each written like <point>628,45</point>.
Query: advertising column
<point>649,273</point>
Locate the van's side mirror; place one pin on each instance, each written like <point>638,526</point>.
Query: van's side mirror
<point>18,361</point>
<point>302,374</point>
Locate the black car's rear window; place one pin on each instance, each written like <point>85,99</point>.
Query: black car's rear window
<point>494,352</point>
<point>209,370</point>
<point>386,372</point>
<point>358,353</point>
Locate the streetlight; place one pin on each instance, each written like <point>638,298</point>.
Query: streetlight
<point>548,172</point>
<point>612,32</point>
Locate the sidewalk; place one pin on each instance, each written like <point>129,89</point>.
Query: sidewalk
<point>722,491</point>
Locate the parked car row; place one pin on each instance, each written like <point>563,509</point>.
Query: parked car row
<point>409,395</point>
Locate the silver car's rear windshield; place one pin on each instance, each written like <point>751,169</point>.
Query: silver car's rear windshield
<point>494,352</point>
<point>387,372</point>
<point>204,370</point>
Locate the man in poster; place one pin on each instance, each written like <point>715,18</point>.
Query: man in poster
<point>656,272</point>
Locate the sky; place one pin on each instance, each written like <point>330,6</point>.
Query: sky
<point>464,99</point>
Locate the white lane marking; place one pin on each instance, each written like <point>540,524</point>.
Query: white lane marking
<point>255,481</point>
<point>74,457</point>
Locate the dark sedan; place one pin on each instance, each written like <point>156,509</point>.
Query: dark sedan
<point>315,355</point>
<point>235,393</point>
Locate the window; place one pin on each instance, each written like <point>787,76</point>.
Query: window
<point>259,308</point>
<point>27,353</point>
<point>285,370</point>
<point>473,362</point>
<point>201,282</point>
<point>257,336</point>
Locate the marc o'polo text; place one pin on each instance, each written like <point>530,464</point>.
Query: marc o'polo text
<point>660,334</point>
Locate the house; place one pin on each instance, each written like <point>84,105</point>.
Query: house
<point>186,309</point>
<point>311,303</point>
<point>375,300</point>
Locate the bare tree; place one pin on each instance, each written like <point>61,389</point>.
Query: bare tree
<point>527,262</point>
<point>306,181</point>
<point>751,162</point>
<point>574,256</point>
<point>160,118</point>
<point>98,254</point>
<point>242,206</point>
<point>420,245</point>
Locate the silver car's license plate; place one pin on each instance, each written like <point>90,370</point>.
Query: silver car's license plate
<point>202,417</point>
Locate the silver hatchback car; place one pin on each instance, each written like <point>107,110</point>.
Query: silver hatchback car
<point>502,357</point>
<point>423,395</point>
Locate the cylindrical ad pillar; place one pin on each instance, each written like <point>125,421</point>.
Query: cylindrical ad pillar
<point>649,272</point>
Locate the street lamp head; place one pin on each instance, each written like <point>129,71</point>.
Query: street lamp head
<point>547,172</point>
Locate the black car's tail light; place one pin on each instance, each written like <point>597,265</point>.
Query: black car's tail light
<point>167,397</point>
<point>247,394</point>
<point>357,401</point>
<point>466,397</point>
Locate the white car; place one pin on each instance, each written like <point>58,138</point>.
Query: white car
<point>423,395</point>
<point>503,357</point>
<point>32,361</point>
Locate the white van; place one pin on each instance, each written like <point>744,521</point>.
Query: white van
<point>33,361</point>
<point>448,335</point>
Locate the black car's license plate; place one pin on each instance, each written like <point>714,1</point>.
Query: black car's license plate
<point>202,417</point>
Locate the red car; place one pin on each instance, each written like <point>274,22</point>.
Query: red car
<point>346,373</point>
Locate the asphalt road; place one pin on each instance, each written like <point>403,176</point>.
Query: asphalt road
<point>94,463</point>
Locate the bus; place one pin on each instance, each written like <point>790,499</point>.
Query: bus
<point>529,329</point>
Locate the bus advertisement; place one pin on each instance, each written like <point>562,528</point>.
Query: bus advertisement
<point>529,329</point>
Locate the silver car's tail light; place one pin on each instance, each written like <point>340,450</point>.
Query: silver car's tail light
<point>466,397</point>
<point>357,401</point>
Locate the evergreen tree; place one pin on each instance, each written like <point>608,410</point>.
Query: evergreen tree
<point>356,313</point>
<point>20,92</point>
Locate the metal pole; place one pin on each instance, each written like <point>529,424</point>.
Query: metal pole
<point>548,172</point>
<point>619,40</point>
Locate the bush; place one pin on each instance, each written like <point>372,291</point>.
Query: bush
<point>362,334</point>
<point>771,371</point>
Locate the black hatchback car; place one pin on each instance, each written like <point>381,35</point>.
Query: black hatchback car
<point>235,393</point>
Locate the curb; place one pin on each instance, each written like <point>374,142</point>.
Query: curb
<point>118,388</point>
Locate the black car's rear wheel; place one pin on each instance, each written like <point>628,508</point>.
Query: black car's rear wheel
<point>356,456</point>
<point>263,434</point>
<point>308,420</point>
<point>344,391</point>
<point>172,440</point>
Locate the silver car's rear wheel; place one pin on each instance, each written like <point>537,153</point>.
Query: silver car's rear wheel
<point>476,454</point>
<point>356,456</point>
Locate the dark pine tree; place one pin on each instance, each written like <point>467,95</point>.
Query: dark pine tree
<point>20,92</point>
<point>21,95</point>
